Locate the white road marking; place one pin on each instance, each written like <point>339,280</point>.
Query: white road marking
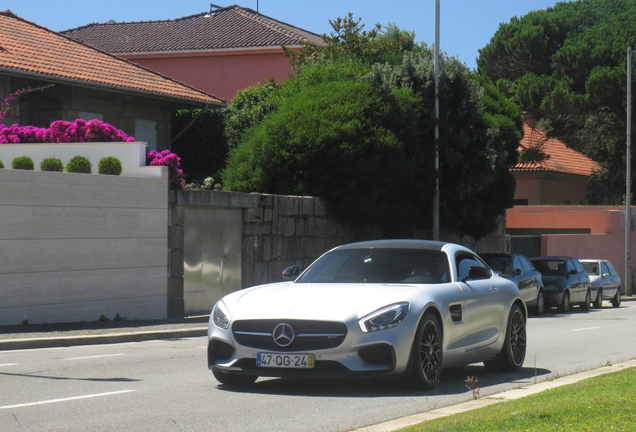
<point>588,328</point>
<point>96,356</point>
<point>8,364</point>
<point>65,399</point>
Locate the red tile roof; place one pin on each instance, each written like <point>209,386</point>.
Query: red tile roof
<point>231,27</point>
<point>28,49</point>
<point>559,157</point>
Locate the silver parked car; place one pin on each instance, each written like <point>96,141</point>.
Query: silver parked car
<point>379,307</point>
<point>606,283</point>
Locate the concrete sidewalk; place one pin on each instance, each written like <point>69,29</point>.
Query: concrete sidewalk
<point>97,332</point>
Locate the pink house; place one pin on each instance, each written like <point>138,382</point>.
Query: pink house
<point>220,51</point>
<point>560,178</point>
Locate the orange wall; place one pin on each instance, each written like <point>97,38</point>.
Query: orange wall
<point>219,73</point>
<point>547,189</point>
<point>606,241</point>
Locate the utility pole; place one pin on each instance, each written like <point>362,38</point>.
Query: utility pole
<point>628,179</point>
<point>436,73</point>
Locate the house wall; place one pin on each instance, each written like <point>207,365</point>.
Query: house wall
<point>219,73</point>
<point>75,246</point>
<point>65,102</point>
<point>550,188</point>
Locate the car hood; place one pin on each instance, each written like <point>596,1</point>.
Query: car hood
<point>558,281</point>
<point>315,301</point>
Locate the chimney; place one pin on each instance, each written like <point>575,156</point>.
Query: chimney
<point>528,118</point>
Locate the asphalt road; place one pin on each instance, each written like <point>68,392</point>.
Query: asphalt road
<point>166,386</point>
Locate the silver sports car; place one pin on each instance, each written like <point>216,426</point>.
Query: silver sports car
<point>377,307</point>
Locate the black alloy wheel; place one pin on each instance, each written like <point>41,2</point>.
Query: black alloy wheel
<point>565,302</point>
<point>513,352</point>
<point>427,352</point>
<point>586,303</point>
<point>598,303</point>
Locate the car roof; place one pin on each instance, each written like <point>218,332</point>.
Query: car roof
<point>401,244</point>
<point>551,258</point>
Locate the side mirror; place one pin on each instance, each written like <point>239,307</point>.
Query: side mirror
<point>573,272</point>
<point>606,275</point>
<point>291,273</point>
<point>476,273</point>
<point>517,272</point>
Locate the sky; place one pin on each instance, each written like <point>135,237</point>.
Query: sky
<point>465,25</point>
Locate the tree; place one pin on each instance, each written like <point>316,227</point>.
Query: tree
<point>358,132</point>
<point>567,66</point>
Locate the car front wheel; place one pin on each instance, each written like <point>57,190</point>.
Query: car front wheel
<point>540,306</point>
<point>586,303</point>
<point>598,303</point>
<point>616,301</point>
<point>233,379</point>
<point>427,352</point>
<point>513,352</point>
<point>565,302</point>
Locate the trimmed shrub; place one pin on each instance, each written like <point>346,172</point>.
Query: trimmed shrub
<point>22,163</point>
<point>79,164</point>
<point>109,165</point>
<point>1,164</point>
<point>51,164</point>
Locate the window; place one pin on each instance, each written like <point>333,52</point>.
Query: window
<point>87,115</point>
<point>525,264</point>
<point>605,269</point>
<point>465,262</point>
<point>146,131</point>
<point>517,266</point>
<point>577,265</point>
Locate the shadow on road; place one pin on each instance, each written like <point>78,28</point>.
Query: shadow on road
<point>453,382</point>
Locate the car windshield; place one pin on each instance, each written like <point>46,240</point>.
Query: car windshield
<point>592,268</point>
<point>550,267</point>
<point>381,265</point>
<point>500,264</point>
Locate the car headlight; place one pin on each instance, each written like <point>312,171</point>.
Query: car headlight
<point>384,318</point>
<point>221,316</point>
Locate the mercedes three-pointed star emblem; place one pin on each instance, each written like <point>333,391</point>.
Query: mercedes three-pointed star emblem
<point>283,335</point>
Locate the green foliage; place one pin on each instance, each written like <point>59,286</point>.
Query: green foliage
<point>79,164</point>
<point>109,165</point>
<point>349,40</point>
<point>1,164</point>
<point>249,107</point>
<point>203,146</point>
<point>567,66</point>
<point>22,163</point>
<point>51,164</point>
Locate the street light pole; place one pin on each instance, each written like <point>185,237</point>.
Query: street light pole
<point>436,73</point>
<point>628,179</point>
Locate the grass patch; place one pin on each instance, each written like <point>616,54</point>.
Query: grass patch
<point>599,404</point>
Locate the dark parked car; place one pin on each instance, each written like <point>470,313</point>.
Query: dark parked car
<point>565,282</point>
<point>520,270</point>
<point>606,283</point>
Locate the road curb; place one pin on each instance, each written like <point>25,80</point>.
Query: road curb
<point>400,423</point>
<point>111,338</point>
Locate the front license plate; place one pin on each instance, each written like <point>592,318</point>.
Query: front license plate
<point>293,361</point>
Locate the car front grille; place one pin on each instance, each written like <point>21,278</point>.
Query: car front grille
<point>307,335</point>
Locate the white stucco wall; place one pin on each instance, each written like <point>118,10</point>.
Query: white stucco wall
<point>75,246</point>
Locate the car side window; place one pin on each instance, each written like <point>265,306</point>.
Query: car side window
<point>517,266</point>
<point>605,269</point>
<point>525,264</point>
<point>612,270</point>
<point>465,262</point>
<point>570,266</point>
<point>578,266</point>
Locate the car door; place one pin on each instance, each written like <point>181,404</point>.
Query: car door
<point>580,280</point>
<point>484,305</point>
<point>523,279</point>
<point>609,282</point>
